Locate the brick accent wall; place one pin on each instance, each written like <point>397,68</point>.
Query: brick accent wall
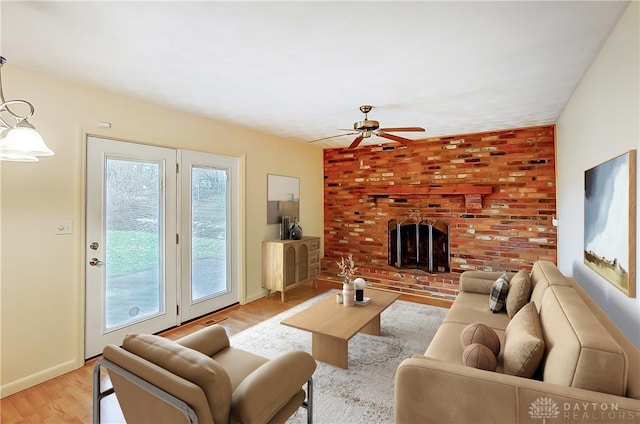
<point>443,178</point>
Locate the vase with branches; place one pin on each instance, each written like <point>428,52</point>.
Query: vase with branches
<point>347,271</point>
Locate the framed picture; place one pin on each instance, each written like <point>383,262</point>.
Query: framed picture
<point>283,198</point>
<point>610,221</point>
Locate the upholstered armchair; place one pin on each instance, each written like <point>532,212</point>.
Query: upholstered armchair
<point>200,378</point>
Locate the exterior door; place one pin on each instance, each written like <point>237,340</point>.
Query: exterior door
<point>131,241</point>
<point>155,214</point>
<point>209,208</point>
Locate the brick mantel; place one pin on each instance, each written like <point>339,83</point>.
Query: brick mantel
<point>495,190</point>
<point>418,190</point>
<point>472,193</point>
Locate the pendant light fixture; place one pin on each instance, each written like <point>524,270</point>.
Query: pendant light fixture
<point>19,140</point>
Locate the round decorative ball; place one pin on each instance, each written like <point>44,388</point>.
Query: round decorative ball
<point>479,356</point>
<point>480,333</point>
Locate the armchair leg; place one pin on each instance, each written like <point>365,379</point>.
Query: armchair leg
<point>308,404</point>
<point>97,395</point>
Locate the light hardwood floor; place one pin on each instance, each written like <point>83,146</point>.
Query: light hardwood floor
<point>67,398</point>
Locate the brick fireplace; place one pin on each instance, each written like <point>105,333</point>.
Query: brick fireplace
<point>495,191</point>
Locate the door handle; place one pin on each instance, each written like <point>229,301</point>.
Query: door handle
<point>95,262</point>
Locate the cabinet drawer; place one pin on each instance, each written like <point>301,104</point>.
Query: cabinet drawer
<point>314,271</point>
<point>314,258</point>
<point>315,244</point>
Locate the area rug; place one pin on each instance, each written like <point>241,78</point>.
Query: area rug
<point>364,392</point>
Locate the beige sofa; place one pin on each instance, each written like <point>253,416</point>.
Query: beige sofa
<point>589,371</point>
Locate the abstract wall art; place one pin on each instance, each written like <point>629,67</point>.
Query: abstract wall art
<point>609,221</point>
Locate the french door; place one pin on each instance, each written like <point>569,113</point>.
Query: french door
<point>208,217</point>
<point>159,231</point>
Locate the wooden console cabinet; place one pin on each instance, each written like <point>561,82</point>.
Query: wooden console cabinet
<point>288,263</point>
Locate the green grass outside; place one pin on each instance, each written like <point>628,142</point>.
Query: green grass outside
<point>134,251</point>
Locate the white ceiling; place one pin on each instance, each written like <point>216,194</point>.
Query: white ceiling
<point>301,69</point>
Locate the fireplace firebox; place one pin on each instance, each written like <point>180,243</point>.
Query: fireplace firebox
<point>419,245</point>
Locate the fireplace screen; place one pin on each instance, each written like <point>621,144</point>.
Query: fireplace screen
<point>419,245</point>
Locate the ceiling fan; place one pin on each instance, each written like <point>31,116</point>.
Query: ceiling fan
<point>367,127</point>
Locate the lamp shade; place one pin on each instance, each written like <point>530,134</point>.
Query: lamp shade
<point>23,141</point>
<point>18,157</point>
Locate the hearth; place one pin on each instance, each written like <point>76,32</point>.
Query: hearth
<point>419,245</point>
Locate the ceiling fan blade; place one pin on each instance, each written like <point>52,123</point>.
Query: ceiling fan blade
<point>355,142</point>
<point>403,129</point>
<point>332,136</point>
<point>394,137</point>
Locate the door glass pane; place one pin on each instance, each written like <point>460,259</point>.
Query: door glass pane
<point>133,288</point>
<point>208,232</point>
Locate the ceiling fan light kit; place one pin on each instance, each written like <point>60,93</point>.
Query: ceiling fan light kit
<point>19,140</point>
<point>368,127</point>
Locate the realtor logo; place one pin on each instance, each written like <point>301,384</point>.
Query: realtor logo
<point>544,408</point>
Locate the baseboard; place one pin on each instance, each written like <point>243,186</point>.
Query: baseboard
<point>39,377</point>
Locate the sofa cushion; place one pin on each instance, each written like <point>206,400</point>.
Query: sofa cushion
<point>479,356</point>
<point>479,281</point>
<point>498,294</point>
<point>472,307</point>
<point>523,343</point>
<point>545,274</point>
<point>480,333</point>
<point>519,292</point>
<point>580,351</point>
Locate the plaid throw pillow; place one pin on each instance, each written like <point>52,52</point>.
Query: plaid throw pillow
<point>498,293</point>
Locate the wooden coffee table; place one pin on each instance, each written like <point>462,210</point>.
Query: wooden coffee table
<point>332,324</point>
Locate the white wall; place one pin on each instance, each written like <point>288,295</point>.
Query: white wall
<point>42,274</point>
<point>600,122</point>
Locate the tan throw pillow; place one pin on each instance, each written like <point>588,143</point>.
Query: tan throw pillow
<point>519,292</point>
<point>479,356</point>
<point>498,294</point>
<point>480,333</point>
<point>524,344</point>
